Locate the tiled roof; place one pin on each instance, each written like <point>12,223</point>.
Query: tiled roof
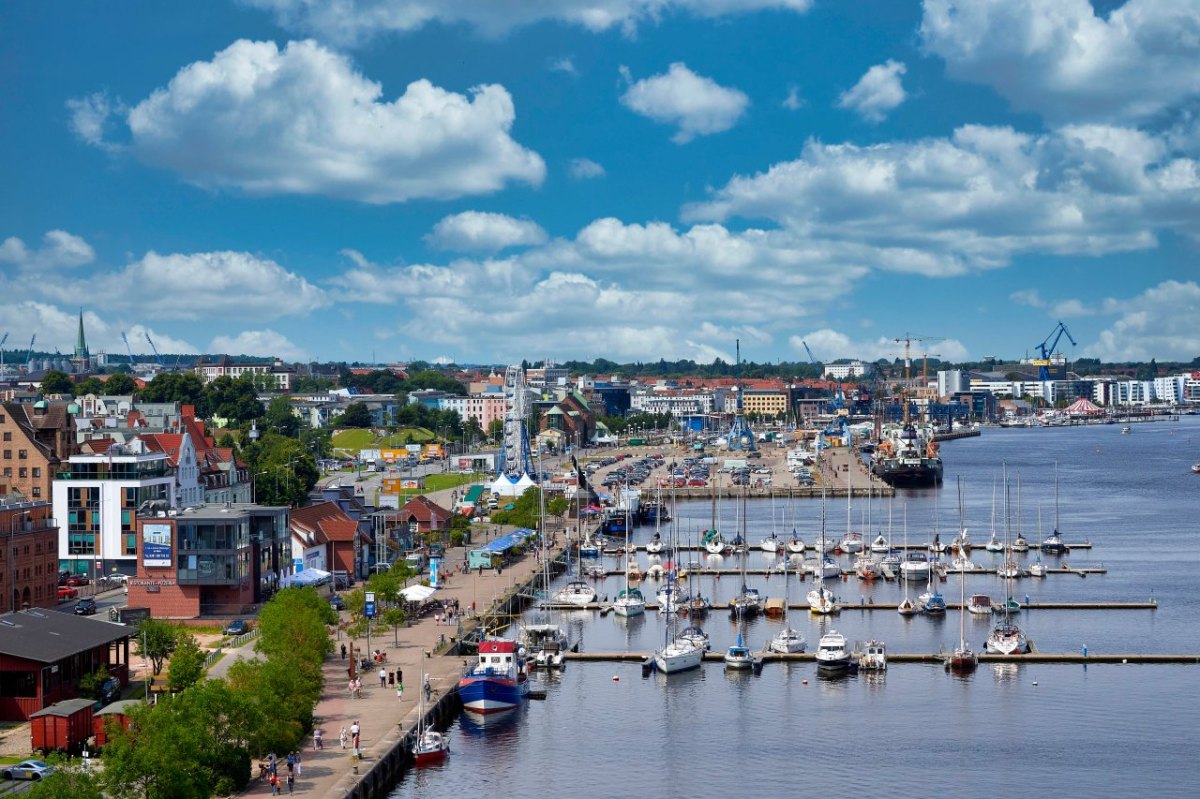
<point>325,521</point>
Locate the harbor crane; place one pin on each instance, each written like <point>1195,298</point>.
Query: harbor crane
<point>1046,353</point>
<point>907,340</point>
<point>808,349</point>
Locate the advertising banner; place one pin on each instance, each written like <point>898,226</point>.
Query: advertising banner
<point>156,544</point>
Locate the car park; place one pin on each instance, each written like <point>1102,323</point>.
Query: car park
<point>85,607</point>
<point>236,627</point>
<point>28,770</point>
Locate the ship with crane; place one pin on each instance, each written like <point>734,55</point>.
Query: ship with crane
<point>907,456</point>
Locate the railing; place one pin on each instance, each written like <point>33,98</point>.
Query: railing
<point>213,655</point>
<point>238,640</point>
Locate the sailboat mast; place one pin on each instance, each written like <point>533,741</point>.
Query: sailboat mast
<point>1055,498</point>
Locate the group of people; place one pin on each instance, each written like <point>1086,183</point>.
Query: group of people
<point>277,782</point>
<point>448,614</point>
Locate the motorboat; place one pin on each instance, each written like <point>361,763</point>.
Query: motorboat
<point>543,645</point>
<point>915,567</point>
<point>980,605</point>
<point>595,571</point>
<point>576,592</point>
<point>1196,468</point>
<point>832,655</point>
<point>695,636</point>
<point>629,602</point>
<point>1009,607</point>
<point>873,656</point>
<point>822,601</point>
<point>738,656</point>
<point>1126,430</point>
<point>775,608</point>
<point>787,641</point>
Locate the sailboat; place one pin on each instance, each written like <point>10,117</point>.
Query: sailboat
<point>794,545</point>
<point>629,601</point>
<point>906,606</point>
<point>771,545</point>
<point>738,656</point>
<point>1006,637</point>
<point>576,592</point>
<point>962,659</point>
<point>678,653</point>
<point>1053,543</point>
<point>821,600</point>
<point>430,745</point>
<point>787,640</point>
<point>993,544</point>
<point>749,602</point>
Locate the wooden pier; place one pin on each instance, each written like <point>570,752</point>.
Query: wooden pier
<point>603,607</point>
<point>1057,658</point>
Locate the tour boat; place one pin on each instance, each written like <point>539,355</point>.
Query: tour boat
<point>576,592</point>
<point>832,656</point>
<point>497,681</point>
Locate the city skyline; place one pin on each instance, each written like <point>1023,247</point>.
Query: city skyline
<point>630,178</point>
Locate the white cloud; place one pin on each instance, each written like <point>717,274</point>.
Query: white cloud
<point>793,101</point>
<point>260,343</point>
<point>1068,309</point>
<point>563,65</point>
<point>943,206</point>
<point>877,92</point>
<point>477,231</point>
<point>56,329</point>
<point>353,21</point>
<point>1029,297</point>
<point>59,249</point>
<point>303,121</point>
<point>1158,323</point>
<point>697,105</point>
<point>1062,59</point>
<point>828,345</point>
<point>90,117</point>
<point>584,168</point>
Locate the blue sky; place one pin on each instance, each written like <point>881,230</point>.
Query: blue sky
<point>631,179</point>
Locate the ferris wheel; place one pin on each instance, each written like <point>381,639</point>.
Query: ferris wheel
<point>515,460</point>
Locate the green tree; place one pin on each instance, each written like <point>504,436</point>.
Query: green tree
<point>558,505</point>
<point>187,664</point>
<point>284,470</point>
<point>120,384</point>
<point>356,415</point>
<point>90,385</point>
<point>67,783</point>
<point>156,640</point>
<point>496,429</point>
<point>56,382</point>
<point>294,621</point>
<point>234,400</point>
<point>183,387</point>
<point>280,419</point>
<point>526,511</point>
<point>92,684</point>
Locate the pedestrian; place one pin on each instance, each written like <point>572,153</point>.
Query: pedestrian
<point>351,688</point>
<point>399,675</point>
<point>437,619</point>
<point>343,651</point>
<point>291,782</point>
<point>428,688</point>
<point>274,784</point>
<point>291,762</point>
<point>342,736</point>
<point>317,739</point>
<point>399,692</point>
<point>391,678</point>
<point>299,764</point>
<point>382,677</point>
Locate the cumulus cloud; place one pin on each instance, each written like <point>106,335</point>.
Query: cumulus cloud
<point>793,101</point>
<point>946,206</point>
<point>697,105</point>
<point>563,65</point>
<point>1065,61</point>
<point>1030,297</point>
<point>828,345</point>
<point>1158,323</point>
<point>59,249</point>
<point>260,343</point>
<point>56,328</point>
<point>477,231</point>
<point>877,92</point>
<point>584,168</point>
<point>302,121</point>
<point>354,21</point>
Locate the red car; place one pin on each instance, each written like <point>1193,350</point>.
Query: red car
<point>66,592</point>
<point>696,481</point>
<point>77,579</point>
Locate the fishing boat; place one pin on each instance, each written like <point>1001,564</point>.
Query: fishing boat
<point>497,681</point>
<point>738,656</point>
<point>1006,637</point>
<point>576,592</point>
<point>980,605</point>
<point>787,640</point>
<point>832,656</point>
<point>429,746</point>
<point>873,656</point>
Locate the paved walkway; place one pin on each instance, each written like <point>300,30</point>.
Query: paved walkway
<point>383,718</point>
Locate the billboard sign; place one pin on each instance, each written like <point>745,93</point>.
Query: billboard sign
<point>156,544</point>
<point>369,605</point>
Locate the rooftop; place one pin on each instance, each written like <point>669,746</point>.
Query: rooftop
<point>47,636</point>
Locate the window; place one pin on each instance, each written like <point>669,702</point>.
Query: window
<point>130,543</point>
<point>37,491</point>
<point>37,472</point>
<point>22,472</point>
<point>8,454</point>
<point>8,435</point>
<point>23,454</point>
<point>8,471</point>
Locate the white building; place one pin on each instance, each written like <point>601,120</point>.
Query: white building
<point>224,367</point>
<point>951,381</point>
<point>675,403</point>
<point>841,371</point>
<point>96,500</point>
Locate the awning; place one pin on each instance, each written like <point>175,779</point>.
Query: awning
<point>307,577</point>
<point>418,593</point>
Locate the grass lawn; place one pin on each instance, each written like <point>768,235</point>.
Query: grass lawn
<point>398,439</point>
<point>354,440</point>
<point>438,482</point>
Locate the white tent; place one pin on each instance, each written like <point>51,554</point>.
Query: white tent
<point>505,487</point>
<point>306,577</point>
<point>417,593</point>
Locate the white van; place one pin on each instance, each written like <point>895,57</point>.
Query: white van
<point>415,559</point>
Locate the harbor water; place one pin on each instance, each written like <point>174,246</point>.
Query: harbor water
<point>1104,730</point>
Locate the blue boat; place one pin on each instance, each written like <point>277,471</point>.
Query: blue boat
<point>935,603</point>
<point>497,681</point>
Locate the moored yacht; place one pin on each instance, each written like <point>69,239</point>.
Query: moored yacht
<point>832,655</point>
<point>576,592</point>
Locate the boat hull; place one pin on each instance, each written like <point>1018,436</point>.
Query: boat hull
<point>490,694</point>
<point>910,475</point>
<point>672,661</point>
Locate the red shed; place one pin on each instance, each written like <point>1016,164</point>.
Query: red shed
<point>116,713</point>
<point>63,726</point>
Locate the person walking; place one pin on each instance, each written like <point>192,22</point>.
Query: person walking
<point>291,783</point>
<point>343,651</point>
<point>274,784</point>
<point>399,691</point>
<point>342,736</point>
<point>382,677</point>
<point>299,764</point>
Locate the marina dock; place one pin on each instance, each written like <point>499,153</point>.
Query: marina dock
<point>950,606</point>
<point>1059,658</point>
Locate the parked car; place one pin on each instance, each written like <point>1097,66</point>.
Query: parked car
<point>28,770</point>
<point>66,592</point>
<point>110,691</point>
<point>77,579</point>
<point>85,607</point>
<point>236,627</point>
<point>342,579</point>
<point>337,603</point>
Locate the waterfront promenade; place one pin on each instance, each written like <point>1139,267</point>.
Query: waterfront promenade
<point>331,771</point>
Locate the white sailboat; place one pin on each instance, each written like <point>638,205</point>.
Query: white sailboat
<point>787,640</point>
<point>906,606</point>
<point>430,745</point>
<point>1006,637</point>
<point>772,544</point>
<point>962,659</point>
<point>677,654</point>
<point>821,600</point>
<point>629,601</point>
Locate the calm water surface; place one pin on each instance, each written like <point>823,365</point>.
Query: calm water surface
<point>1099,731</point>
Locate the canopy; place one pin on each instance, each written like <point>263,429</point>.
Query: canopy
<point>507,542</point>
<point>417,593</point>
<point>306,577</point>
<point>1083,407</point>
<point>505,486</point>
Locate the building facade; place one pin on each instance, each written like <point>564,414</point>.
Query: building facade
<point>36,438</point>
<point>29,560</point>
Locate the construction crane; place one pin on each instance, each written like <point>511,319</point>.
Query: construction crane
<point>157,357</point>
<point>1045,359</point>
<point>809,351</point>
<point>907,341</point>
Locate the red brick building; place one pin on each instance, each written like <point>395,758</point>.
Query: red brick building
<point>29,558</point>
<point>422,516</point>
<point>34,439</point>
<point>325,537</point>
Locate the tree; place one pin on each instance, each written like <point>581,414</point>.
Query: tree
<point>92,684</point>
<point>187,664</point>
<point>183,387</point>
<point>356,415</point>
<point>67,784</point>
<point>156,640</point>
<point>284,471</point>
<point>90,385</point>
<point>234,400</point>
<point>120,384</point>
<point>558,505</point>
<point>495,429</point>
<point>279,417</point>
<point>56,382</point>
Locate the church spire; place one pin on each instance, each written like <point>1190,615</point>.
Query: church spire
<point>81,350</point>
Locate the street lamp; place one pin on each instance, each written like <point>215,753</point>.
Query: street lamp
<point>12,564</point>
